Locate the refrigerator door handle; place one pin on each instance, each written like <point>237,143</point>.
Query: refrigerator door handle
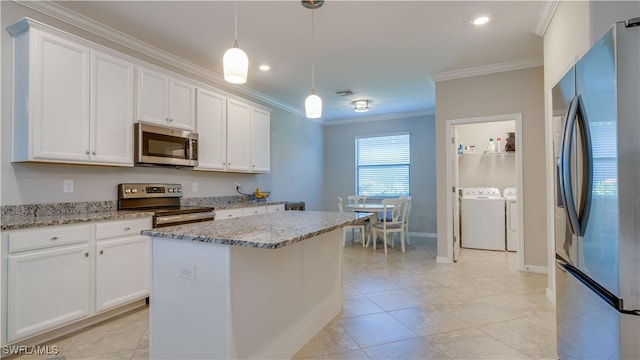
<point>587,168</point>
<point>565,168</point>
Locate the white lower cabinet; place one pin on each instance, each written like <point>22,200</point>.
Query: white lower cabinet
<point>247,211</point>
<point>229,213</point>
<point>58,275</point>
<point>275,208</point>
<point>46,288</point>
<point>122,271</point>
<point>254,210</point>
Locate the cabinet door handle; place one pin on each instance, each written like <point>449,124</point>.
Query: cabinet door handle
<point>87,152</point>
<point>93,152</point>
<point>54,238</point>
<point>86,254</point>
<point>101,252</point>
<point>127,229</point>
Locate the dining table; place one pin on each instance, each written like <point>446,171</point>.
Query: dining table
<point>366,207</point>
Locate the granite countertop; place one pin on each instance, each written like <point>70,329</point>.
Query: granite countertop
<point>31,221</point>
<point>15,217</point>
<point>269,231</point>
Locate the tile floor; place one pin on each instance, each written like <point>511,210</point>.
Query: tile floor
<point>399,306</point>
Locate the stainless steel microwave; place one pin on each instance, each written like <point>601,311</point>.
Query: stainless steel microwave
<point>164,146</point>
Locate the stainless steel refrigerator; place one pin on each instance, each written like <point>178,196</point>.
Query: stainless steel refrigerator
<point>596,117</point>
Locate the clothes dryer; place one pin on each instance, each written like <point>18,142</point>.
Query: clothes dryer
<point>511,205</point>
<point>482,219</point>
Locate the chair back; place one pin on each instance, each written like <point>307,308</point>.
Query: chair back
<point>395,211</point>
<point>357,199</point>
<point>340,201</point>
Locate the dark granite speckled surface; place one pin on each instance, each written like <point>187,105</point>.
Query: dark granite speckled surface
<point>269,231</point>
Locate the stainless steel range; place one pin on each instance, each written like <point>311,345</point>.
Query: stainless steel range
<point>164,201</point>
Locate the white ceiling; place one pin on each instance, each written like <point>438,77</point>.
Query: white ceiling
<point>385,51</point>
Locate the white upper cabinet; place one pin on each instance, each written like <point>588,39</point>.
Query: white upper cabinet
<point>260,141</point>
<point>64,94</point>
<point>211,125</point>
<point>238,136</point>
<point>111,109</point>
<point>165,101</point>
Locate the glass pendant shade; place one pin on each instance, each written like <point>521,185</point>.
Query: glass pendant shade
<point>313,106</point>
<point>236,65</point>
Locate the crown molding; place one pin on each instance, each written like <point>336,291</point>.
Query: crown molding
<point>487,69</point>
<point>365,119</point>
<point>545,14</point>
<point>70,17</point>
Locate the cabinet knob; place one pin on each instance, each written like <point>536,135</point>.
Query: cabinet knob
<point>86,254</point>
<point>93,152</point>
<point>87,152</point>
<point>127,229</point>
<point>101,252</point>
<point>254,166</point>
<point>54,238</point>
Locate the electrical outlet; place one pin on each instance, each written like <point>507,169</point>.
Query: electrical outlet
<point>67,186</point>
<point>194,186</point>
<point>187,273</point>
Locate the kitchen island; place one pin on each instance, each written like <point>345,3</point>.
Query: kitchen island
<point>252,287</point>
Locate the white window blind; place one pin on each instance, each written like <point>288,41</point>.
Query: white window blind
<point>605,171</point>
<point>383,166</point>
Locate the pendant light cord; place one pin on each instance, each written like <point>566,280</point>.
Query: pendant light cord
<point>235,4</point>
<point>313,58</point>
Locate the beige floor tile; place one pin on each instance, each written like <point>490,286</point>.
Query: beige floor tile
<point>376,329</point>
<point>430,295</point>
<point>357,354</point>
<point>428,320</point>
<point>419,348</point>
<point>477,313</point>
<point>141,354</point>
<point>369,285</point>
<point>394,299</point>
<point>120,355</point>
<point>473,344</point>
<point>524,336</point>
<point>355,305</point>
<point>331,339</point>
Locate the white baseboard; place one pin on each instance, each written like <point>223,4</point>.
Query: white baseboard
<point>536,269</point>
<point>551,296</point>
<point>443,260</point>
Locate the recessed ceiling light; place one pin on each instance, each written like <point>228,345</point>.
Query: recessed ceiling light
<point>265,67</point>
<point>481,20</point>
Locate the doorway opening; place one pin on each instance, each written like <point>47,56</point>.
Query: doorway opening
<point>453,177</point>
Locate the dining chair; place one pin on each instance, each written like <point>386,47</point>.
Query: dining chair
<point>357,199</point>
<point>360,228</point>
<point>406,219</point>
<point>391,224</point>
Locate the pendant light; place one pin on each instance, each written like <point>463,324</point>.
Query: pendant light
<point>235,61</point>
<point>313,103</point>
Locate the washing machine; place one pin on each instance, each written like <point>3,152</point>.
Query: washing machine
<point>511,205</point>
<point>482,219</point>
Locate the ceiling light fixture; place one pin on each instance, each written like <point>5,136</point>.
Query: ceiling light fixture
<point>481,20</point>
<point>313,103</point>
<point>235,61</point>
<point>361,105</point>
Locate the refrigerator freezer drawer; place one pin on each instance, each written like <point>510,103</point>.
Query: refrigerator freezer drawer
<point>588,327</point>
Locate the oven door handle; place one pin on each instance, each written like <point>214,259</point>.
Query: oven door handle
<point>172,219</point>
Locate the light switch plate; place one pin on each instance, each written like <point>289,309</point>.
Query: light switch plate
<point>67,186</point>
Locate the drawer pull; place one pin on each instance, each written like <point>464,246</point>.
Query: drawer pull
<point>54,238</point>
<point>86,254</point>
<point>127,229</point>
<point>101,252</point>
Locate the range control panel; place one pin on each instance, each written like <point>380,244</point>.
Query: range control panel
<point>138,191</point>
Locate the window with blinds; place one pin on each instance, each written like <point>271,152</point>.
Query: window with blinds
<point>383,166</point>
<point>605,170</point>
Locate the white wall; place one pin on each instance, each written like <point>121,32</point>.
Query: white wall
<point>510,92</point>
<point>339,147</point>
<point>292,177</point>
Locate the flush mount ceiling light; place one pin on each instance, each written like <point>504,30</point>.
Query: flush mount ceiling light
<point>361,105</point>
<point>235,61</point>
<point>313,103</point>
<point>481,20</point>
<point>265,67</point>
